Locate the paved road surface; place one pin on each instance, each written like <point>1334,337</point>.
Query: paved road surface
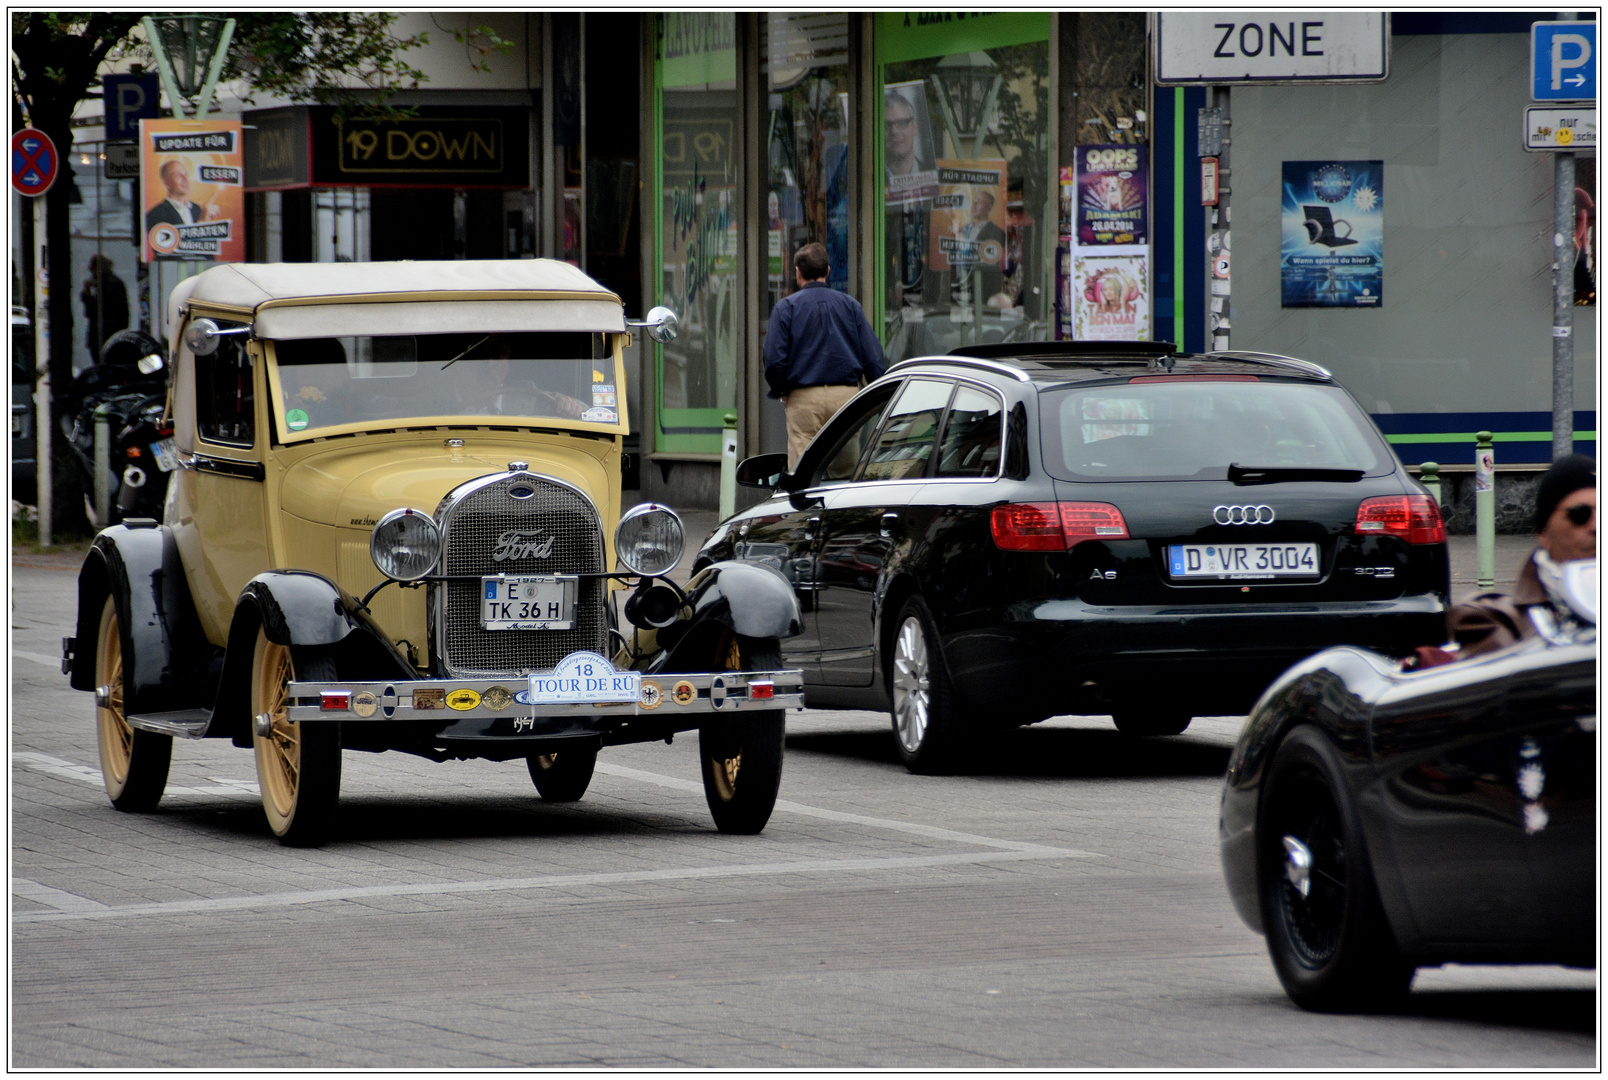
<point>1059,906</point>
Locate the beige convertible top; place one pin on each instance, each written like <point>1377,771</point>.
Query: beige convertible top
<point>302,300</point>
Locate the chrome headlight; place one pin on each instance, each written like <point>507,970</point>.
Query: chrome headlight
<point>405,545</point>
<point>649,539</point>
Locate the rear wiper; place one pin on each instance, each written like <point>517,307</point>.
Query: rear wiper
<point>1244,475</point>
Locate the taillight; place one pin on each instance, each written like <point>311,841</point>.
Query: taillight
<point>1414,518</point>
<point>1055,526</point>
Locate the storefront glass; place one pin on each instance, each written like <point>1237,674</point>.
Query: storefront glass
<point>807,146</point>
<point>964,157</point>
<point>697,234</point>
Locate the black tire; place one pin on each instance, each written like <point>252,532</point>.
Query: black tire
<point>1146,721</point>
<point>742,753</point>
<point>927,727</point>
<point>563,775</point>
<point>134,764</point>
<point>1331,945</point>
<point>298,764</point>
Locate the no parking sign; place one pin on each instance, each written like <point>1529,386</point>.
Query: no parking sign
<point>34,163</point>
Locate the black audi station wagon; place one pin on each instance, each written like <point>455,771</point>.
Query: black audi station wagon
<point>1013,532</point>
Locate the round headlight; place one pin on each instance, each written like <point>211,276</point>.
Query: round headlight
<point>649,540</point>
<point>405,545</point>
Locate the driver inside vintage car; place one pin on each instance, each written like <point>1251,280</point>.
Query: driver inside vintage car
<point>511,389</point>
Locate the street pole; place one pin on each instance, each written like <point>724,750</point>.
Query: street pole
<point>42,420</point>
<point>1563,262</point>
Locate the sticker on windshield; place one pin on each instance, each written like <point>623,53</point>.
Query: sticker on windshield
<point>603,394</point>
<point>600,415</point>
<point>295,419</point>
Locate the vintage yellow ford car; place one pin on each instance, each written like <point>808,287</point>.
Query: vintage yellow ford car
<point>396,525</point>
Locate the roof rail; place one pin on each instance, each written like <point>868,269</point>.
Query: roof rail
<point>1306,367</point>
<point>966,361</point>
<point>1064,350</point>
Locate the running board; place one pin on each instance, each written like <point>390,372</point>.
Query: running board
<point>183,723</point>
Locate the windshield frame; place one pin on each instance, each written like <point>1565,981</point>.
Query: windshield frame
<point>613,348</point>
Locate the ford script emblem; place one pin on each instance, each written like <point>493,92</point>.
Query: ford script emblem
<point>521,492</point>
<point>523,544</point>
<point>1242,515</point>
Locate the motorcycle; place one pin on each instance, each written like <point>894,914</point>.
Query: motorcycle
<point>128,387</point>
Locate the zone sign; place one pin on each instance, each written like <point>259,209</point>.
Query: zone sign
<point>1228,47</point>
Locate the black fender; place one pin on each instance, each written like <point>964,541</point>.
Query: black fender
<point>304,611</point>
<point>747,598</point>
<point>165,652</point>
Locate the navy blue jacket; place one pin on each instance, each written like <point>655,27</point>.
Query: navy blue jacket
<point>819,337</point>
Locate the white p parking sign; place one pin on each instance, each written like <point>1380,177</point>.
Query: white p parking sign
<point>1563,61</point>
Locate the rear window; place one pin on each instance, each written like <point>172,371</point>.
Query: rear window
<point>1193,430</point>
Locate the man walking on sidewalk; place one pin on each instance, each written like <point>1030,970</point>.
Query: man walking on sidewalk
<point>818,349</point>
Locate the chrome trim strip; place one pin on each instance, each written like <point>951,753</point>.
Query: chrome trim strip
<point>965,361</point>
<point>1271,360</point>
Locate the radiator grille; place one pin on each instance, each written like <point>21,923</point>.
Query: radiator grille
<point>474,529</point>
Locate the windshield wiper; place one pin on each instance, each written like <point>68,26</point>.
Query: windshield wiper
<point>1245,475</point>
<point>466,352</point>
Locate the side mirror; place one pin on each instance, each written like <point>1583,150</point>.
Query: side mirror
<point>762,471</point>
<point>201,336</point>
<point>661,325</point>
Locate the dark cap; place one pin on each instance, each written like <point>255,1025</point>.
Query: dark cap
<point>1567,476</point>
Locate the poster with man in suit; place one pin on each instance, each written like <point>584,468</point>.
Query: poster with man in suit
<point>191,190</point>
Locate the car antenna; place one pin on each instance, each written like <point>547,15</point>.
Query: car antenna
<point>466,352</point>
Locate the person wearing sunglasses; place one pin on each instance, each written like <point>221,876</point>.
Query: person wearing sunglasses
<point>1566,530</point>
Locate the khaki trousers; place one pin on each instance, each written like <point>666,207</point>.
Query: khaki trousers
<point>808,409</point>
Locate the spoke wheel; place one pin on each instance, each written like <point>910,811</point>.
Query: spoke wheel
<point>134,764</point>
<point>926,726</point>
<point>563,775</point>
<point>1326,930</point>
<point>742,753</point>
<point>298,765</point>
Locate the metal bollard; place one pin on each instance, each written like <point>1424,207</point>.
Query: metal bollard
<point>103,468</point>
<point>1429,476</point>
<point>728,467</point>
<point>1484,511</point>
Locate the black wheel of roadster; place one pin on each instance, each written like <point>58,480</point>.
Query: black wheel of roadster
<point>1147,720</point>
<point>298,765</point>
<point>134,764</point>
<point>926,723</point>
<point>1326,930</point>
<point>563,775</point>
<point>742,753</point>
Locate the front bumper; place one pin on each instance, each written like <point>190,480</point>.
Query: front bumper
<point>517,708</point>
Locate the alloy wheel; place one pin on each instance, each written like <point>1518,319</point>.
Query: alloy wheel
<point>911,684</point>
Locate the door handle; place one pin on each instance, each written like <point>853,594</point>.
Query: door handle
<point>812,526</point>
<point>888,521</point>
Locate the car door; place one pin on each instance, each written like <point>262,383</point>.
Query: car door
<point>219,508</point>
<point>786,533</point>
<point>1552,702</point>
<point>859,521</point>
<point>1449,752</point>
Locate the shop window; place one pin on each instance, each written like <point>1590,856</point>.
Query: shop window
<point>225,404</point>
<point>698,226</point>
<point>968,219</point>
<point>805,56</point>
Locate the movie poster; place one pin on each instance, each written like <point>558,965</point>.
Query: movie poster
<point>191,199</point>
<point>1334,234</point>
<point>1585,231</point>
<point>908,151</point>
<point>1110,297</point>
<point>1113,195</point>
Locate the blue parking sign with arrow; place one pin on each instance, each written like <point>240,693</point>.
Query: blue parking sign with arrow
<point>1563,61</point>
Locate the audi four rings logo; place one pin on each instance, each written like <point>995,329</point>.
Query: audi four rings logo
<point>1242,515</point>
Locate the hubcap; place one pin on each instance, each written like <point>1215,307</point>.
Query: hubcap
<point>910,684</point>
<point>1298,865</point>
<point>1312,896</point>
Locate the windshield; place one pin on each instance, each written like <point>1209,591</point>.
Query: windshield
<point>1194,428</point>
<point>381,381</point>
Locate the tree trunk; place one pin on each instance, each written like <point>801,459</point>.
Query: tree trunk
<point>68,517</point>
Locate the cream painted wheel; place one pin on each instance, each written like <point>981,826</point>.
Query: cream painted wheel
<point>134,764</point>
<point>742,753</point>
<point>298,765</point>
